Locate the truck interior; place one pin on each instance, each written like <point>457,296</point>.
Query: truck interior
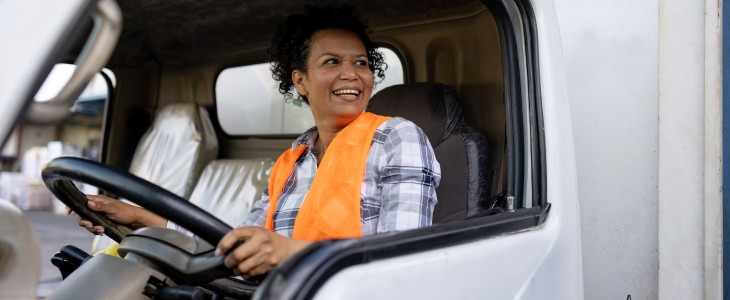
<point>171,53</point>
<point>468,79</point>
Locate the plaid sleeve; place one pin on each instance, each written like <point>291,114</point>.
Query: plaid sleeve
<point>257,215</point>
<point>408,179</point>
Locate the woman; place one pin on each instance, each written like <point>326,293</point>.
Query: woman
<point>353,174</point>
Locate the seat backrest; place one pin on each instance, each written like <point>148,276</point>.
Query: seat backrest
<point>227,188</point>
<point>173,151</point>
<point>178,144</point>
<point>462,152</point>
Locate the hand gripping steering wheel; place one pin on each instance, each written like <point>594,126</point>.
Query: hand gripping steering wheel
<point>57,176</point>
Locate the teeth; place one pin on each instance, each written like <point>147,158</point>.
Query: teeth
<point>341,92</point>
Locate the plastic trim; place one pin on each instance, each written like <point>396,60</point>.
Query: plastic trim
<point>301,277</point>
<point>96,52</point>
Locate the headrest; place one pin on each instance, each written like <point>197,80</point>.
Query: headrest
<point>432,106</point>
<point>178,117</point>
<point>175,149</point>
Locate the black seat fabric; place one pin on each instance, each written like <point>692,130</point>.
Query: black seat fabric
<point>461,150</point>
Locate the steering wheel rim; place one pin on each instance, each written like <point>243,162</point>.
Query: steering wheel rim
<point>77,204</point>
<point>58,173</point>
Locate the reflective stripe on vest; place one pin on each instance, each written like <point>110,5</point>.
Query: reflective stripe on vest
<point>331,208</point>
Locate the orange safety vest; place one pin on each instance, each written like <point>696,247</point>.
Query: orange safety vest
<point>331,208</point>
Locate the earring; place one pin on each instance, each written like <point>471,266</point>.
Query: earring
<point>297,101</point>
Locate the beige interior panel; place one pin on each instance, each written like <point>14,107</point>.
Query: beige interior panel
<point>443,47</point>
<point>449,51</point>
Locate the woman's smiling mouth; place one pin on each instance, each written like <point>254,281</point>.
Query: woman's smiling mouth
<point>347,92</point>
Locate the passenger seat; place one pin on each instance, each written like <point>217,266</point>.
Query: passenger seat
<point>462,151</point>
<point>176,148</point>
<point>229,187</point>
<point>173,151</point>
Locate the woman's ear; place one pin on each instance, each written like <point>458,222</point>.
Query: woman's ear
<point>298,77</point>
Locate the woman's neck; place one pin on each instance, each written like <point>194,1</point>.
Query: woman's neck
<point>327,130</point>
<point>324,139</point>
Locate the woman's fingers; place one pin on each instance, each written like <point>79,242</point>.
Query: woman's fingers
<point>233,237</point>
<point>253,266</point>
<point>242,251</point>
<point>115,210</point>
<point>99,203</point>
<point>95,203</point>
<point>241,259</point>
<point>263,262</point>
<point>85,223</point>
<point>89,226</point>
<point>260,251</point>
<point>246,256</point>
<point>97,230</point>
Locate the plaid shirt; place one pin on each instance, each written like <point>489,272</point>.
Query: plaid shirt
<point>398,190</point>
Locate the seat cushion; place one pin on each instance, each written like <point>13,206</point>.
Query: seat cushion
<point>228,188</point>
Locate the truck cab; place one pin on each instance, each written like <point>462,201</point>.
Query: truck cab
<point>507,225</point>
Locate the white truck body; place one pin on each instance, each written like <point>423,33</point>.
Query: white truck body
<point>645,86</point>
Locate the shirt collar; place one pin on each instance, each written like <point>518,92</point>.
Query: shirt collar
<point>306,139</point>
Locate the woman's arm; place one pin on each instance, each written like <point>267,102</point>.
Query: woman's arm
<point>408,179</point>
<point>258,213</point>
<point>120,212</point>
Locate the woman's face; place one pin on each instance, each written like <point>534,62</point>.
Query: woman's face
<point>338,82</point>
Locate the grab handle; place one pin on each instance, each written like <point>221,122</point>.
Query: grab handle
<point>96,52</point>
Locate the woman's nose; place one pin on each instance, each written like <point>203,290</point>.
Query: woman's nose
<point>348,71</point>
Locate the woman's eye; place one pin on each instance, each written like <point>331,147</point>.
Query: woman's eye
<point>331,61</point>
<point>361,63</point>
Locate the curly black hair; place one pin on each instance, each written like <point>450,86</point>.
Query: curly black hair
<point>290,47</point>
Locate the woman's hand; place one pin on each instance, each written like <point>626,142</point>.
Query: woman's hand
<point>261,250</point>
<point>120,212</point>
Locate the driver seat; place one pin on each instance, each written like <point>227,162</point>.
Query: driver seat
<point>462,151</point>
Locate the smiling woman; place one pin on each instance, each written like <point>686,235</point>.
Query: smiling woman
<point>336,79</point>
<point>354,174</point>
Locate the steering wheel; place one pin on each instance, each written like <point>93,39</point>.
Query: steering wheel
<point>57,176</point>
<point>201,269</point>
